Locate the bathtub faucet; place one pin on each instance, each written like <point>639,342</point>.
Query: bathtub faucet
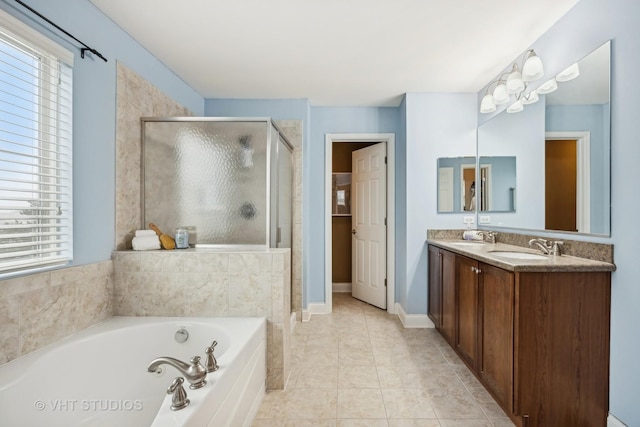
<point>194,372</point>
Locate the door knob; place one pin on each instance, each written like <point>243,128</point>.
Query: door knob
<point>353,231</point>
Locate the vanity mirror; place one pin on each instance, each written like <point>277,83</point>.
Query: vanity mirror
<point>458,191</point>
<point>561,147</point>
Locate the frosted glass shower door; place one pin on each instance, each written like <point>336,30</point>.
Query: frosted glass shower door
<point>207,174</point>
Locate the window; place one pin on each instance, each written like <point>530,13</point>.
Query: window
<point>35,149</point>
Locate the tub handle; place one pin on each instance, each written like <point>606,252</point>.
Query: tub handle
<point>212,363</point>
<point>179,399</point>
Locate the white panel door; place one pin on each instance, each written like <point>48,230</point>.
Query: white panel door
<point>369,234</point>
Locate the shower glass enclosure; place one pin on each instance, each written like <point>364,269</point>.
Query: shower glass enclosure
<point>230,178</point>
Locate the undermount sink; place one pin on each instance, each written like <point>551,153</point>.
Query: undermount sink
<point>518,255</point>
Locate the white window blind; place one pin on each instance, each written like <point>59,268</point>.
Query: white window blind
<point>35,151</point>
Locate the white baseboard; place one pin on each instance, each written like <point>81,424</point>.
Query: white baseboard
<point>315,308</point>
<point>413,320</point>
<point>614,422</point>
<point>341,287</point>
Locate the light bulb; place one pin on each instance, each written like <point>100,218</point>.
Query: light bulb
<point>514,82</point>
<point>547,87</point>
<point>516,107</point>
<point>487,105</point>
<point>500,95</point>
<point>532,68</point>
<point>569,73</point>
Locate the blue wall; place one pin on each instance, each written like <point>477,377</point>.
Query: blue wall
<point>437,125</point>
<point>336,120</point>
<point>94,113</point>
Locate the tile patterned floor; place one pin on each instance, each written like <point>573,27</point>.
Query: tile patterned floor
<point>360,367</point>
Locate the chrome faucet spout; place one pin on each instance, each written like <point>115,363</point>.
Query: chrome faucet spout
<point>194,372</point>
<point>540,243</point>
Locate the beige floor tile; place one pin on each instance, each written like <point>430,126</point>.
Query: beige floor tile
<point>312,404</point>
<point>407,403</point>
<point>317,376</point>
<point>502,422</point>
<point>258,422</point>
<point>363,423</point>
<point>359,367</point>
<point>355,356</point>
<point>274,405</point>
<point>415,422</point>
<point>455,403</point>
<point>360,403</point>
<point>320,356</point>
<point>358,377</point>
<point>310,423</point>
<point>480,422</point>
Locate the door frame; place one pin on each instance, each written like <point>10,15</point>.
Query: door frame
<point>389,139</point>
<point>583,163</point>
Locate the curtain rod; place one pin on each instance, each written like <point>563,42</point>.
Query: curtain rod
<point>82,50</point>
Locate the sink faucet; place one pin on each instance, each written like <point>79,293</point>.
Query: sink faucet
<point>489,236</point>
<point>541,244</point>
<point>553,248</point>
<point>195,373</point>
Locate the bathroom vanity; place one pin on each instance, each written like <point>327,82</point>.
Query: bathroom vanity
<point>534,331</point>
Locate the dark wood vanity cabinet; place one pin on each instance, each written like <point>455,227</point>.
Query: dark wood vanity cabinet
<point>442,303</point>
<point>537,341</point>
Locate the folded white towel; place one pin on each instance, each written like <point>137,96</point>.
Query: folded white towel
<point>145,243</point>
<point>140,233</point>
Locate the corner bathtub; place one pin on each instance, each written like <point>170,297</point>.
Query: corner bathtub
<point>99,376</point>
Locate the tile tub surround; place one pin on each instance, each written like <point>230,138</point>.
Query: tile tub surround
<point>227,283</point>
<point>359,366</point>
<point>39,309</point>
<point>135,98</point>
<point>589,250</point>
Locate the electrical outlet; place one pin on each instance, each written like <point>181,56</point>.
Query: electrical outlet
<point>468,219</point>
<point>484,219</point>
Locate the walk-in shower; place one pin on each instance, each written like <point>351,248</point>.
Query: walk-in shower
<point>228,178</point>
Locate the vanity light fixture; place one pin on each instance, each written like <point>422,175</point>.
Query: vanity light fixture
<point>547,87</point>
<point>514,83</point>
<point>569,73</point>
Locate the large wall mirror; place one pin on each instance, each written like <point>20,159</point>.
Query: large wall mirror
<point>561,150</point>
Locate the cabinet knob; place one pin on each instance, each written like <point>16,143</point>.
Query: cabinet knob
<point>478,271</point>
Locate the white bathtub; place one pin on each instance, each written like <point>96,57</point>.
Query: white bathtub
<point>99,376</point>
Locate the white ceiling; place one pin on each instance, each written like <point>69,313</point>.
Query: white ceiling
<point>335,52</point>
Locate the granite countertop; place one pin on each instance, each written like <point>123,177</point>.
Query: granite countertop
<point>484,252</point>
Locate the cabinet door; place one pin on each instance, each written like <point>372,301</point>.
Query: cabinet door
<point>496,295</point>
<point>448,280</point>
<point>467,296</point>
<point>435,285</point>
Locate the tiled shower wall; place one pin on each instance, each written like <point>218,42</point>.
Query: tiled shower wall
<point>138,98</point>
<point>200,283</point>
<point>135,98</point>
<point>38,309</point>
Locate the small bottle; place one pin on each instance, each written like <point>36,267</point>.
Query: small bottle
<point>182,238</point>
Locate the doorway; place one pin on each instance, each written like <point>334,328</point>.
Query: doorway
<point>367,140</point>
<point>567,181</point>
